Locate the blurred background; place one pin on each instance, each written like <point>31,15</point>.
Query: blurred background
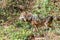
<point>11,28</point>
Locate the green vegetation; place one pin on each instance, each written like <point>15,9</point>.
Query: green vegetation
<point>11,28</point>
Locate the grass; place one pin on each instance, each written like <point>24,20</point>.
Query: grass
<point>21,33</point>
<point>13,33</point>
<point>21,30</point>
